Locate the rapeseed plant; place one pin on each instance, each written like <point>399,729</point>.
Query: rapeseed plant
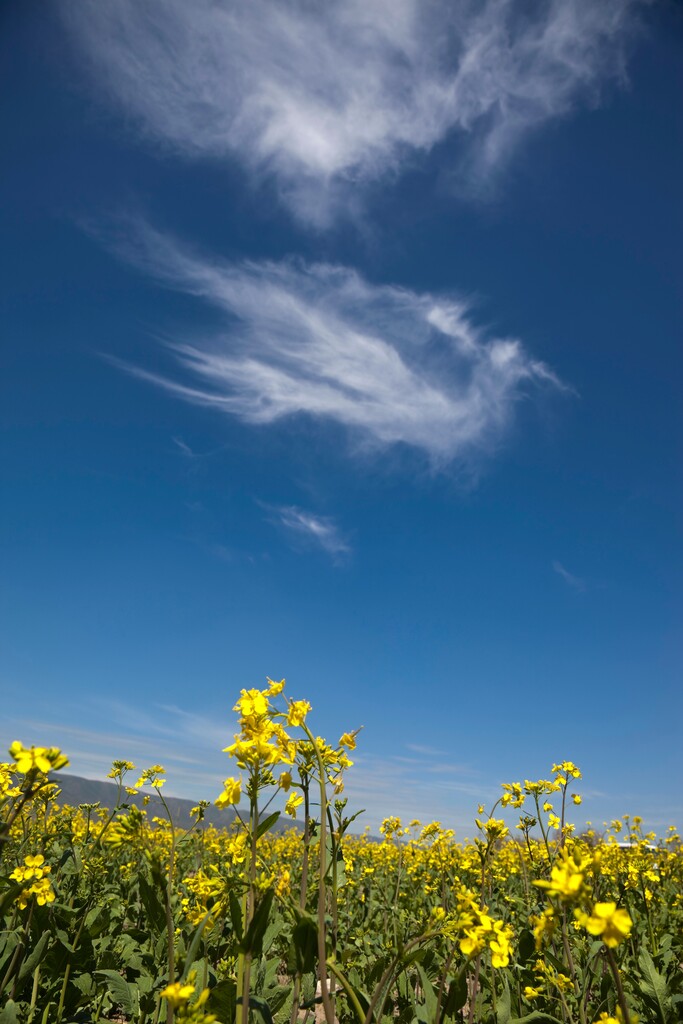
<point>118,914</point>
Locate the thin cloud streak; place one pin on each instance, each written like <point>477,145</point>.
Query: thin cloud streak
<point>326,97</point>
<point>575,582</point>
<point>390,365</point>
<point>310,528</point>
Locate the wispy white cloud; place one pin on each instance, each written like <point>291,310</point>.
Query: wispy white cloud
<point>184,447</point>
<point>419,748</point>
<point>573,581</point>
<point>390,365</point>
<point>325,97</point>
<point>309,528</point>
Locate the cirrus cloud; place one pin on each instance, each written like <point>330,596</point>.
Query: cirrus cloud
<point>390,365</point>
<point>325,97</point>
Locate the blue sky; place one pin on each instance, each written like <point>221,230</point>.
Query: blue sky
<point>344,345</point>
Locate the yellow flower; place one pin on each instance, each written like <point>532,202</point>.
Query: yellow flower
<point>566,882</point>
<point>33,870</point>
<point>285,781</point>
<point>151,776</point>
<point>348,740</point>
<point>493,828</point>
<point>252,703</point>
<point>297,712</point>
<point>576,798</point>
<point>544,926</point>
<point>567,768</point>
<point>119,768</point>
<point>513,795</point>
<point>232,791</point>
<point>294,801</point>
<point>500,951</point>
<point>177,994</point>
<point>283,883</point>
<point>275,688</point>
<point>392,827</point>
<point>42,759</point>
<point>472,942</point>
<point>531,993</point>
<point>608,921</point>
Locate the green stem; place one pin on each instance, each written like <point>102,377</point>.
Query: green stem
<point>248,899</point>
<point>168,900</point>
<point>303,889</point>
<point>473,990</point>
<point>67,972</point>
<point>351,995</point>
<point>34,994</point>
<point>322,893</point>
<point>626,1017</point>
<point>493,991</point>
<point>442,985</point>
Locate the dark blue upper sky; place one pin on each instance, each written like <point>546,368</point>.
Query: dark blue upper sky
<point>420,453</point>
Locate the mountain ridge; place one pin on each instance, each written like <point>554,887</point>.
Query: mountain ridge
<point>75,790</point>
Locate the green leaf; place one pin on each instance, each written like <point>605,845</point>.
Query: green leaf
<point>119,990</point>
<point>153,907</point>
<point>31,962</point>
<point>303,949</point>
<point>64,940</point>
<point>262,1008</point>
<point>97,921</point>
<point>8,897</point>
<point>236,915</point>
<point>457,993</point>
<point>556,963</point>
<point>272,931</point>
<point>253,940</point>
<point>655,986</point>
<point>279,997</point>
<point>429,993</point>
<point>504,1010</point>
<point>194,945</point>
<point>223,1000</point>
<point>335,857</point>
<point>85,984</point>
<point>267,823</point>
<point>144,983</point>
<point>526,946</point>
<point>9,1014</point>
<point>536,1016</point>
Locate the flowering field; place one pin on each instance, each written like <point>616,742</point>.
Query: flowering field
<point>110,916</point>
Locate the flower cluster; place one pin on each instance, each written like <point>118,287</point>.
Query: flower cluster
<point>264,742</point>
<point>476,930</point>
<point>33,876</point>
<point>187,1002</point>
<point>37,759</point>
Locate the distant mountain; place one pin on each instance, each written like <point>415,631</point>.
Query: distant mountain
<point>76,790</point>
